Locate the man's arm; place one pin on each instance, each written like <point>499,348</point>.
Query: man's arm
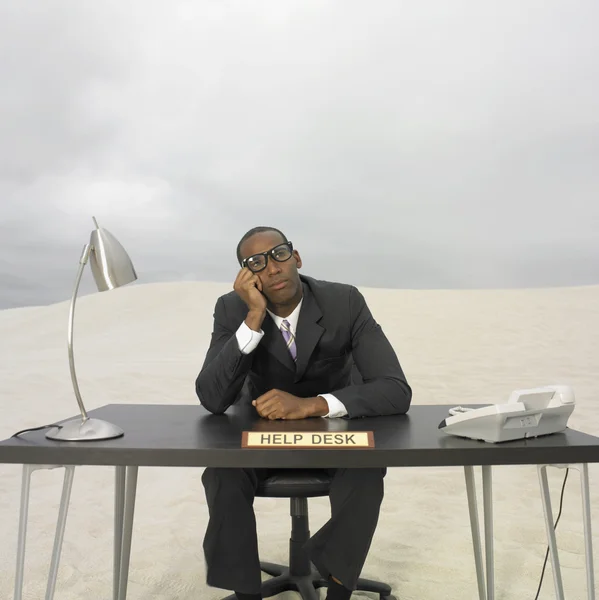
<point>385,390</point>
<point>225,367</point>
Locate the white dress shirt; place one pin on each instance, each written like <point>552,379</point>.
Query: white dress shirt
<point>248,340</point>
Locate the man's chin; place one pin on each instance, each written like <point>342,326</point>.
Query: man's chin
<point>281,296</point>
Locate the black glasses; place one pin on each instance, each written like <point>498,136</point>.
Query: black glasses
<point>257,262</point>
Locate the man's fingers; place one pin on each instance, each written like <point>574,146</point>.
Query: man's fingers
<point>246,279</point>
<point>261,399</point>
<point>253,281</point>
<point>272,415</point>
<point>265,405</point>
<point>258,282</point>
<point>242,275</point>
<point>268,412</point>
<point>276,404</point>
<point>269,404</point>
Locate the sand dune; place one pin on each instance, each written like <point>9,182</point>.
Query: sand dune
<point>145,344</point>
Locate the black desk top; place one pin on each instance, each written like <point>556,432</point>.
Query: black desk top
<point>189,436</point>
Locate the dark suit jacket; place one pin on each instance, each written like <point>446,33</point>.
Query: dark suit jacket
<point>335,331</point>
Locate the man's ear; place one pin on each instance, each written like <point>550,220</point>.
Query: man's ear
<point>298,259</point>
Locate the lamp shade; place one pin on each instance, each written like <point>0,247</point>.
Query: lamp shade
<point>109,261</point>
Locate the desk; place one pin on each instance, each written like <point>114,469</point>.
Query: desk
<point>188,436</point>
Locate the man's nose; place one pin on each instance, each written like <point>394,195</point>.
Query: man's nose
<point>273,267</point>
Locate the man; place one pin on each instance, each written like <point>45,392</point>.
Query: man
<point>287,343</point>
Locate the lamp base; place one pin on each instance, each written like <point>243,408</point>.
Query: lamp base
<point>79,430</point>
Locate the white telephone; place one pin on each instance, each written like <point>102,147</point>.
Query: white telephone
<point>528,413</point>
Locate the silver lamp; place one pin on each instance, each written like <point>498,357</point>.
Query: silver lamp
<point>111,268</point>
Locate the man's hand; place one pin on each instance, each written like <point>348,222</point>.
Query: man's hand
<point>277,404</point>
<point>249,288</point>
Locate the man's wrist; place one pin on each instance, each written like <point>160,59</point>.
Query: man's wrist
<point>254,319</point>
<point>317,407</point>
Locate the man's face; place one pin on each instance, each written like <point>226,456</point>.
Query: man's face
<point>280,280</point>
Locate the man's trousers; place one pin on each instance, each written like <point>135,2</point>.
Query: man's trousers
<point>338,549</point>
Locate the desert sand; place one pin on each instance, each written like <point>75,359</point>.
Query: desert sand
<point>146,343</point>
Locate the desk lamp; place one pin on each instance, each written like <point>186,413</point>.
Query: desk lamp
<point>111,268</point>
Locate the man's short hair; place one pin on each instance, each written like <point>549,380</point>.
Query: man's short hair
<point>254,231</point>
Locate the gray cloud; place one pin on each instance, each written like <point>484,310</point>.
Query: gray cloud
<point>399,144</point>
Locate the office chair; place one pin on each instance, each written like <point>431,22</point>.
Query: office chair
<point>301,576</point>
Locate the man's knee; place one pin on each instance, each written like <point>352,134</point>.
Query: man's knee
<point>226,482</point>
<point>363,482</point>
<point>372,481</point>
<point>370,476</point>
<point>220,475</point>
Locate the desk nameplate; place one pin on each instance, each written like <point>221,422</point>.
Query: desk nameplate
<point>307,439</point>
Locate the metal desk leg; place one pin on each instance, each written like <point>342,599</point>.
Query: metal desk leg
<point>488,517</point>
<point>488,520</point>
<point>550,529</point>
<point>555,566</point>
<point>23,514</point>
<point>60,527</point>
<point>588,538</point>
<point>119,510</point>
<point>127,526</point>
<point>475,528</point>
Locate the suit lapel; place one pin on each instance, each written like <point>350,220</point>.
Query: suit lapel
<point>308,331</point>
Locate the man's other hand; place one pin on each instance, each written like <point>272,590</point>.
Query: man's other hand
<point>277,404</point>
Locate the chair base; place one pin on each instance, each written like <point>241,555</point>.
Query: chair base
<point>307,585</point>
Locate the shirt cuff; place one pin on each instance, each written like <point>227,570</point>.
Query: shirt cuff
<point>247,338</point>
<point>336,407</point>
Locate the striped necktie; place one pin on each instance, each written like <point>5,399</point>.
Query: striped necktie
<point>289,338</point>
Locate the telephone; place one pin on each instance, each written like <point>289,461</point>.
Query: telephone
<point>527,413</point>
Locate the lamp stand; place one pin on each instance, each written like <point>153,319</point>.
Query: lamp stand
<point>84,429</point>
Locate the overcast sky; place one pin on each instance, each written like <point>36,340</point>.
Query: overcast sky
<point>398,144</point>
